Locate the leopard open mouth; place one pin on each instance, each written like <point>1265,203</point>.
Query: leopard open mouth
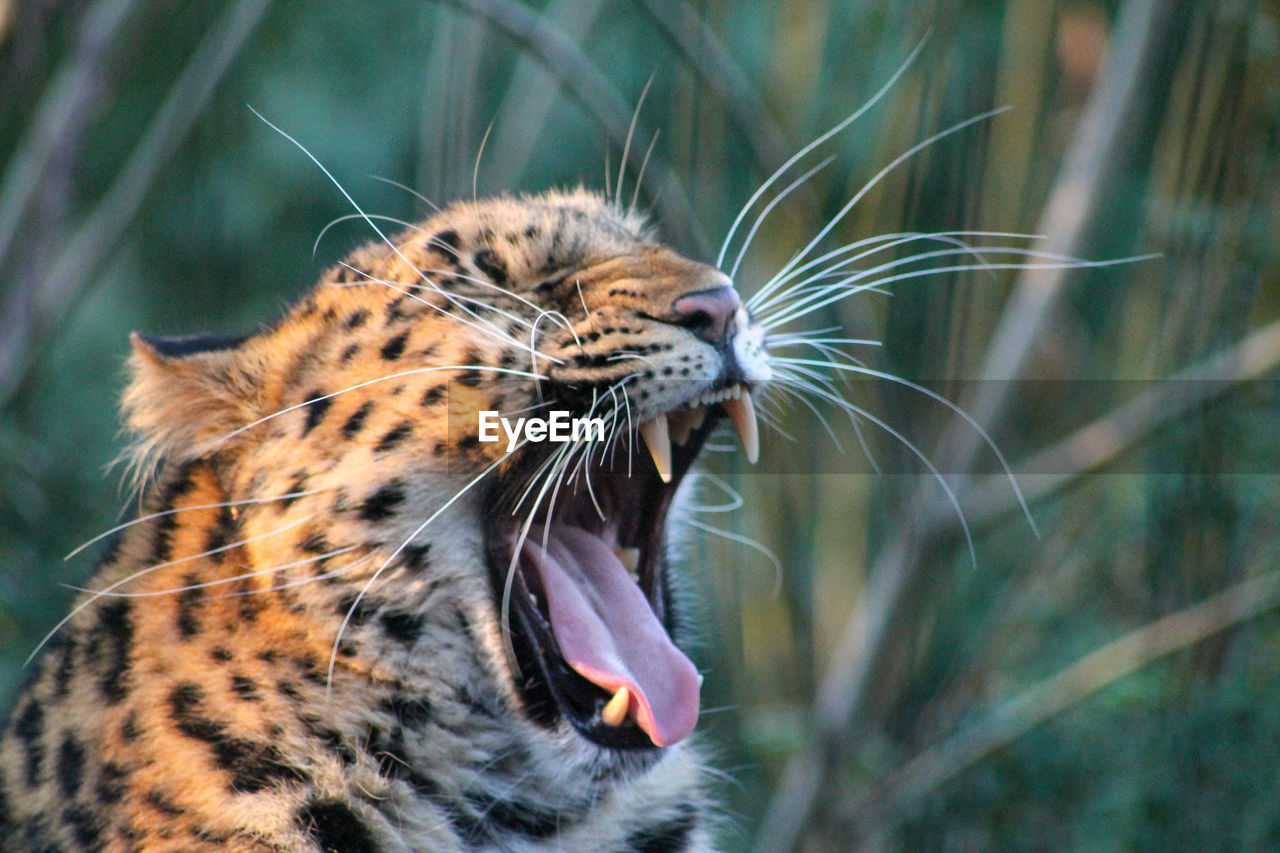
<point>590,611</point>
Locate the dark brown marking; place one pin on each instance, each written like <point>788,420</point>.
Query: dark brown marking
<point>244,687</point>
<point>189,603</point>
<point>394,436</point>
<point>394,348</point>
<point>356,422</point>
<point>487,261</point>
<point>402,626</point>
<point>70,766</point>
<point>382,503</point>
<point>111,647</point>
<point>335,828</point>
<point>110,787</point>
<point>669,836</point>
<point>317,405</point>
<point>446,242</point>
<point>433,395</point>
<point>252,766</point>
<point>29,728</point>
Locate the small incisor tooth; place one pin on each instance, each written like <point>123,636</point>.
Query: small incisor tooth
<point>658,437</point>
<point>615,710</point>
<point>742,412</point>
<point>630,559</point>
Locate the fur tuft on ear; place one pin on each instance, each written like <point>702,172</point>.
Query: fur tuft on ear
<point>185,396</point>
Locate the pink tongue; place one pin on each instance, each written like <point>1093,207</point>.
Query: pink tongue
<point>609,634</point>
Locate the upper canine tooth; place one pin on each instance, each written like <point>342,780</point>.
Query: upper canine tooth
<point>658,437</point>
<point>742,412</point>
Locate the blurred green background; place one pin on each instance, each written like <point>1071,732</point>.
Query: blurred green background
<point>1112,684</point>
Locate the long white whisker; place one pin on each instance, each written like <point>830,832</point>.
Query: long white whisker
<point>750,543</point>
<point>644,164</point>
<point>346,620</point>
<point>591,492</point>
<point>347,217</point>
<point>878,176</point>
<point>631,428</point>
<point>786,378</point>
<point>878,244</point>
<point>574,448</point>
<point>481,325</point>
<point>480,282</point>
<point>148,570</point>
<point>807,291</point>
<point>789,317</point>
<point>547,464</point>
<point>410,190</point>
<point>333,573</point>
<point>781,170</point>
<point>778,199</point>
<point>785,341</point>
<point>219,581</point>
<point>626,147</point>
<point>519,545</point>
<point>847,277</point>
<point>475,172</point>
<point>533,339</point>
<point>154,515</point>
<point>584,463</point>
<point>938,398</point>
<point>735,497</point>
<point>615,432</point>
<point>508,370</point>
<point>781,278</point>
<point>763,411</point>
<point>367,218</point>
<point>917,452</point>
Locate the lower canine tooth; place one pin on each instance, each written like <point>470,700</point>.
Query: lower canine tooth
<point>615,711</point>
<point>742,412</point>
<point>658,437</point>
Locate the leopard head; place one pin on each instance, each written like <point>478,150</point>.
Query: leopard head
<point>357,438</point>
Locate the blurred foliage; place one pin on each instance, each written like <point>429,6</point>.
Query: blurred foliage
<point>1175,751</point>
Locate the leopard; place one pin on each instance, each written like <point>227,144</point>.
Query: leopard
<point>341,620</point>
<point>345,615</point>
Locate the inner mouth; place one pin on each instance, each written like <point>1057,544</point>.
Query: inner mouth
<point>590,618</point>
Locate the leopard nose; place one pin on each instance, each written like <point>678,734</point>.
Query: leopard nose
<point>707,313</point>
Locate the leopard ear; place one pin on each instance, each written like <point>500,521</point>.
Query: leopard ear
<point>187,395</point>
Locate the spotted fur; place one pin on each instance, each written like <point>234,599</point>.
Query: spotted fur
<point>280,657</point>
